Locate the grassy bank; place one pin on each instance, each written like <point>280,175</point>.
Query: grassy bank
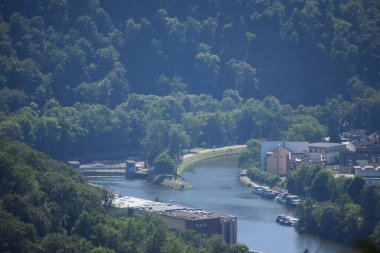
<point>194,159</point>
<point>170,181</point>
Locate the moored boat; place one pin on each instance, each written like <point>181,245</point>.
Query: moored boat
<point>268,193</point>
<point>286,220</point>
<point>257,189</point>
<point>292,200</point>
<point>285,198</point>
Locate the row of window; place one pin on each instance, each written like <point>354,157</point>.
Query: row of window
<point>200,225</point>
<point>329,150</point>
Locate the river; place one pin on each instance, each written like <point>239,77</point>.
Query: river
<point>216,187</point>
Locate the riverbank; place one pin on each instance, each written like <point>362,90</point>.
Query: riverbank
<point>198,156</point>
<point>245,180</point>
<point>215,187</point>
<point>170,182</point>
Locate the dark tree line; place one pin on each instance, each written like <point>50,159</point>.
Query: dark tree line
<point>95,51</point>
<point>151,125</point>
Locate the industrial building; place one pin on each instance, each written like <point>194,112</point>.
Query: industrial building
<point>176,216</point>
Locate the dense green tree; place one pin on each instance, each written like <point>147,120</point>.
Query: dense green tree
<point>156,139</point>
<point>239,248</point>
<point>320,187</point>
<point>163,164</point>
<point>355,187</point>
<point>306,129</point>
<point>251,156</point>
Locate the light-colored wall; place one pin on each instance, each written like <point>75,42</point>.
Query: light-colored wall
<point>332,154</point>
<point>272,163</point>
<point>283,162</point>
<point>277,163</point>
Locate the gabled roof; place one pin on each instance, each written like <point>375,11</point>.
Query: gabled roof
<point>280,146</point>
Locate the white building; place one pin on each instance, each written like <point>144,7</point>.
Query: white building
<point>331,151</point>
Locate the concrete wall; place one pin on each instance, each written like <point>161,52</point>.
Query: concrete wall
<point>206,227</point>
<point>229,230</point>
<point>174,223</point>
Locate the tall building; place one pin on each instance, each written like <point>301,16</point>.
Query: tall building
<point>290,149</point>
<point>278,161</point>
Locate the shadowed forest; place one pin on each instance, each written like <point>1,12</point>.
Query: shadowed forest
<point>83,78</point>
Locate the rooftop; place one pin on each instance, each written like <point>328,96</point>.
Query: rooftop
<point>367,168</point>
<point>173,210</point>
<point>98,165</point>
<point>325,144</point>
<point>196,214</point>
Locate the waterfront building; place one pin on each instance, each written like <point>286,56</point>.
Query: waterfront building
<point>330,151</point>
<point>294,147</point>
<point>278,161</point>
<point>364,152</point>
<point>176,217</point>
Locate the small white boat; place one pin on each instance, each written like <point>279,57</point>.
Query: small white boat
<point>286,220</point>
<point>292,200</point>
<point>257,189</point>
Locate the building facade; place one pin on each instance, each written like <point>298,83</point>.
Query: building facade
<point>370,174</point>
<point>268,147</point>
<point>364,152</point>
<point>330,151</point>
<point>178,217</point>
<point>278,162</point>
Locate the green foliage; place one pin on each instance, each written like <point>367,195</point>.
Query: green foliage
<point>263,177</point>
<point>46,207</point>
<point>69,70</point>
<point>334,208</point>
<point>91,52</point>
<point>163,164</point>
<point>320,186</point>
<point>305,129</point>
<point>250,156</point>
<point>239,248</point>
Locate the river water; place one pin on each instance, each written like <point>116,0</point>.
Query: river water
<point>216,188</point>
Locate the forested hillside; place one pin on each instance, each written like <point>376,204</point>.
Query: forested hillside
<point>46,207</point>
<point>99,51</point>
<point>88,77</point>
